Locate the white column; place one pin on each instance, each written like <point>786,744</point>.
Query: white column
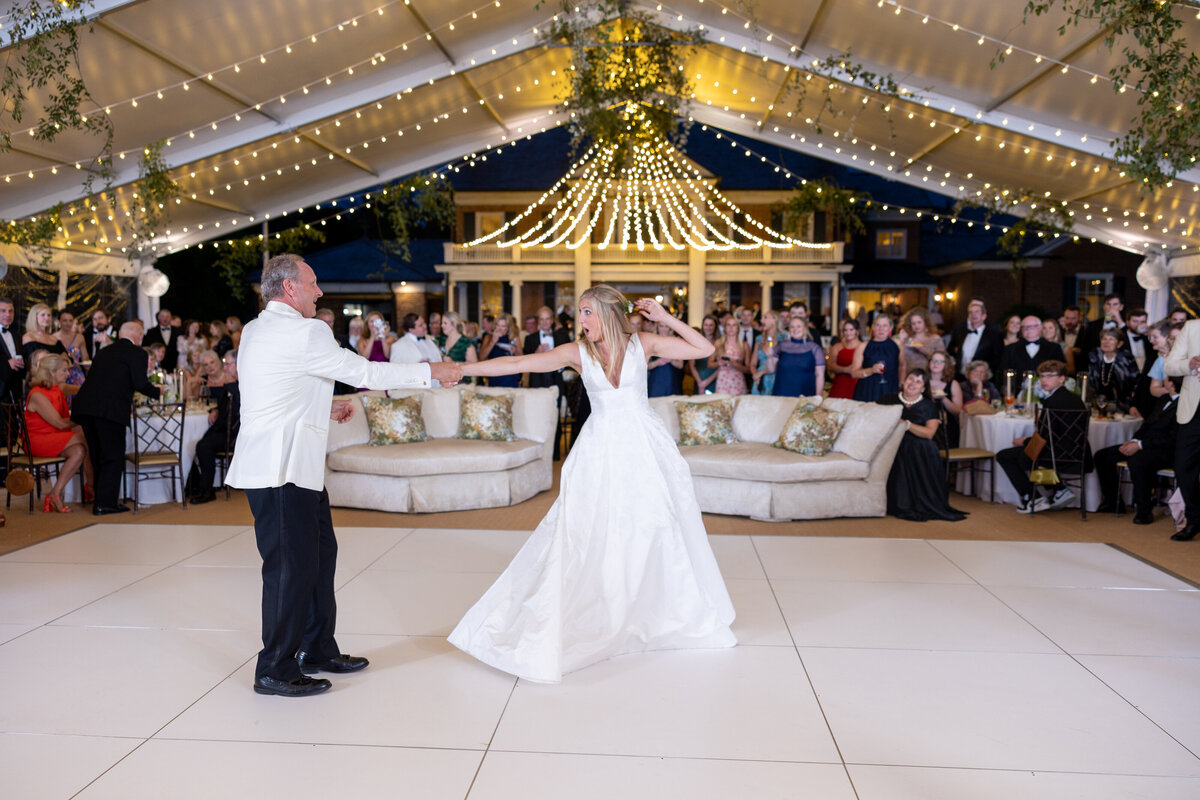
<point>835,314</point>
<point>516,299</point>
<point>697,286</point>
<point>766,285</point>
<point>583,271</point>
<point>451,296</point>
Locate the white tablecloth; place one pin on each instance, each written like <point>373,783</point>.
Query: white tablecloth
<point>996,432</point>
<point>158,489</point>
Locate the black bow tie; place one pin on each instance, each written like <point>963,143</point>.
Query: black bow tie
<point>974,332</point>
<point>420,338</point>
<point>1136,337</point>
<point>3,329</point>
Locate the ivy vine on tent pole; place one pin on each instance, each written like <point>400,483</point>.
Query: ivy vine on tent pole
<point>846,208</point>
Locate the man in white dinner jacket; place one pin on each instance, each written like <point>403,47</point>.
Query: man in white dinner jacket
<point>415,345</point>
<point>288,362</point>
<point>1184,360</point>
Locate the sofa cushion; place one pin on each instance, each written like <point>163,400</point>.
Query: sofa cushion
<point>665,408</point>
<point>439,409</point>
<point>760,418</point>
<point>435,457</point>
<point>811,430</point>
<point>752,461</point>
<point>868,426</point>
<point>705,423</point>
<point>488,417</point>
<point>394,420</point>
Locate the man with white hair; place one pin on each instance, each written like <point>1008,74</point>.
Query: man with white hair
<point>288,362</point>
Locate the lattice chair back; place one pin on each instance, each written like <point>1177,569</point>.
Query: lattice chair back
<point>18,453</point>
<point>157,445</point>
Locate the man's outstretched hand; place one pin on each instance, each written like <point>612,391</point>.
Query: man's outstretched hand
<point>447,373</point>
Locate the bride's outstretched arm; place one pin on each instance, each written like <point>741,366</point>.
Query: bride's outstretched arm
<point>565,355</point>
<point>689,343</point>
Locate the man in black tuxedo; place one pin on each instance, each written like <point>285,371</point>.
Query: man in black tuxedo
<point>544,339</point>
<point>168,336</point>
<point>1144,355</point>
<point>976,340</point>
<point>1031,352</point>
<point>12,365</point>
<point>1151,448</point>
<point>103,406</point>
<point>1016,464</point>
<point>100,333</point>
<point>1114,308</point>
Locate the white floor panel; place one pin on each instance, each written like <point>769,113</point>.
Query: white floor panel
<point>408,603</point>
<point>521,776</point>
<point>986,710</point>
<point>206,770</point>
<point>737,557</point>
<point>126,544</point>
<point>43,767</point>
<point>739,703</point>
<point>1164,689</point>
<point>39,593</point>
<point>838,559</point>
<point>454,551</point>
<point>909,783</point>
<point>11,630</point>
<point>358,548</point>
<point>758,618</point>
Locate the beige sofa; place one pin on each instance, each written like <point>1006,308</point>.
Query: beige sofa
<point>752,478</point>
<point>444,473</point>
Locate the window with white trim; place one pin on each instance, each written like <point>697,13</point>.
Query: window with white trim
<point>891,244</point>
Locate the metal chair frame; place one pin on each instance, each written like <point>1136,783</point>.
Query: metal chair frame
<point>157,449</point>
<point>953,456</point>
<point>1066,435</point>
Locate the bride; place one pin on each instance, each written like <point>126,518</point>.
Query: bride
<point>621,562</point>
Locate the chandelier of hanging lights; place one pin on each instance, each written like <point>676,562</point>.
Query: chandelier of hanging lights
<point>658,201</point>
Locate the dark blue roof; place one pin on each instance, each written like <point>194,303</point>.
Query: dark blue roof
<point>369,260</point>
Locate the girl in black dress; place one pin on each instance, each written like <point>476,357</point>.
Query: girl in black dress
<point>916,487</point>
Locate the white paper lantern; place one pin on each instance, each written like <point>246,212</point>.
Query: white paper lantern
<point>1152,274</point>
<point>3,268</point>
<point>153,282</point>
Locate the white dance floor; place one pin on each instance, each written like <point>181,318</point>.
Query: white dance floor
<point>875,669</point>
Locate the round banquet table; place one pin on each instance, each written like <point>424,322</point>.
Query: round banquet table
<point>995,432</point>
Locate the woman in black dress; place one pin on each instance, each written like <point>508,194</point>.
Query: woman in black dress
<point>916,487</point>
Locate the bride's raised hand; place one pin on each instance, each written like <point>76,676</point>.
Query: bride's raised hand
<point>651,309</point>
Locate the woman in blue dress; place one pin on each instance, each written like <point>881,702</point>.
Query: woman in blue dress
<point>800,370</point>
<point>762,379</point>
<point>664,376</point>
<point>878,365</point>
<point>704,375</point>
<point>501,343</point>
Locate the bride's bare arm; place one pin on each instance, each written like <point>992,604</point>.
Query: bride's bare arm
<point>689,343</point>
<point>565,355</point>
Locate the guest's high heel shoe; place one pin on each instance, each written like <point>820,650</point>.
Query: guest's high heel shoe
<point>54,503</point>
<point>89,495</point>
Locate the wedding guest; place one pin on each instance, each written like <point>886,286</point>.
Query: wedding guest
<point>376,345</point>
<point>471,332</point>
<point>502,342</point>
<point>841,359</point>
<point>1161,336</point>
<point>290,361</point>
<point>531,324</point>
<point>1017,464</point>
<point>1032,351</point>
<point>219,336</point>
<point>635,321</point>
<point>233,326</point>
<point>703,374</point>
<point>1151,448</point>
<point>487,324</point>
<point>1052,332</point>
<point>100,333</point>
<point>223,422</point>
<point>946,394</point>
<point>51,431</point>
<point>1012,330</point>
<point>729,359</point>
<point>354,332</point>
<point>1111,371</point>
<point>978,384</point>
<point>916,486</point>
<point>102,409</point>
<point>800,368</point>
<point>918,340</point>
<point>762,376</point>
<point>416,346</point>
<point>71,340</point>
<point>167,335</point>
<point>542,340</point>
<point>12,360</point>
<point>458,347</point>
<point>191,345</point>
<point>877,364</point>
<point>210,374</point>
<point>1114,307</point>
<point>38,334</point>
<point>746,329</point>
<point>975,339</point>
<point>664,376</point>
<point>1178,315</point>
<point>435,328</point>
<point>1138,342</point>
<point>1072,333</point>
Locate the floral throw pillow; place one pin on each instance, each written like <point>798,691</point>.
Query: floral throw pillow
<point>486,416</point>
<point>705,423</point>
<point>811,430</point>
<point>394,420</point>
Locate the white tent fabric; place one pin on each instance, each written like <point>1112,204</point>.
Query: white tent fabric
<point>269,106</point>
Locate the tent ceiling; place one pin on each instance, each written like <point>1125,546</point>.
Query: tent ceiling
<point>272,131</point>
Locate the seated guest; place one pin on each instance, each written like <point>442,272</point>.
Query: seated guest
<point>233,326</point>
<point>51,432</point>
<point>1052,332</point>
<point>1151,448</point>
<point>222,431</point>
<point>1112,372</point>
<point>762,377</point>
<point>800,365</point>
<point>158,357</point>
<point>192,343</point>
<point>209,375</point>
<point>730,359</point>
<point>946,394</point>
<point>703,374</point>
<point>502,341</point>
<point>916,486</point>
<point>978,384</point>
<point>1016,464</point>
<point>664,376</point>
<point>1030,351</point>
<point>72,342</point>
<point>218,334</point>
<point>841,360</point>
<point>1178,315</point>
<point>1161,336</point>
<point>37,333</point>
<point>878,363</point>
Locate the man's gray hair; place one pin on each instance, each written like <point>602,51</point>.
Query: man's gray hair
<point>283,267</point>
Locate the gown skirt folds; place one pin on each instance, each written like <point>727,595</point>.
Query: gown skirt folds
<point>620,563</point>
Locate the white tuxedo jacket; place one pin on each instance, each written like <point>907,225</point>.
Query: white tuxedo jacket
<point>287,366</point>
<point>408,349</point>
<point>1176,363</point>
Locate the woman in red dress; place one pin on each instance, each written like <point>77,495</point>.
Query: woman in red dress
<point>51,432</point>
<point>841,356</point>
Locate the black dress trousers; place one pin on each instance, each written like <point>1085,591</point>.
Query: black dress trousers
<point>294,529</point>
<point>106,449</point>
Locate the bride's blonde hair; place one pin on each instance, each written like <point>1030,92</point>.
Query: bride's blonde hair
<point>613,309</point>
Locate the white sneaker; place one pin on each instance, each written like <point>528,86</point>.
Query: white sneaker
<point>1062,498</point>
<point>1023,505</point>
<point>1042,504</point>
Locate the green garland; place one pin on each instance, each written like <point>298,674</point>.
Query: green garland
<point>403,206</point>
<point>846,208</point>
<point>238,258</point>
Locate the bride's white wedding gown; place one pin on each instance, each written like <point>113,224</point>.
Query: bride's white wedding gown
<point>620,563</point>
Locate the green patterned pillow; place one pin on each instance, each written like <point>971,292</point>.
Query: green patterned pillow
<point>811,430</point>
<point>486,416</point>
<point>705,423</point>
<point>394,420</point>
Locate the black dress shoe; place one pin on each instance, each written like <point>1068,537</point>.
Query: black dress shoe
<point>1187,534</point>
<point>100,511</point>
<point>1143,518</point>
<point>203,497</point>
<point>340,663</point>
<point>297,687</point>
<point>1111,507</point>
